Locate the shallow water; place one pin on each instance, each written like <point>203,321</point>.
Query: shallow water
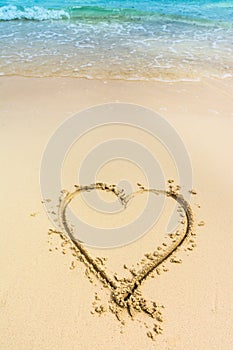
<point>136,40</point>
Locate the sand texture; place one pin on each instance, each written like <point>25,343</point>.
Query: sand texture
<point>163,291</point>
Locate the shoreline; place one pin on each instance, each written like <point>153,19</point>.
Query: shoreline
<point>227,79</point>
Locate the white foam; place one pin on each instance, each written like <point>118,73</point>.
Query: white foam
<point>10,12</point>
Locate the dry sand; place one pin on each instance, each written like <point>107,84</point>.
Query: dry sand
<point>46,303</point>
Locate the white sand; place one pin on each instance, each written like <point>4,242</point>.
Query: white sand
<point>45,305</point>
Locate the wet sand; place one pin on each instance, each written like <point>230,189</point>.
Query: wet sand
<point>45,302</point>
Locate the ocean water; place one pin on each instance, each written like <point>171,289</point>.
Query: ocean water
<point>119,39</point>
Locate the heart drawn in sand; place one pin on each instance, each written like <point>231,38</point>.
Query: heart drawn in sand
<point>125,293</point>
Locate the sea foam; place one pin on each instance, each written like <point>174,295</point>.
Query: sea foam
<point>10,12</point>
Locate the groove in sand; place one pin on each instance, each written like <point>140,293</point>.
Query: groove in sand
<point>125,293</point>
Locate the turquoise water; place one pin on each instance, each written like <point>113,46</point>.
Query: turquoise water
<point>138,40</point>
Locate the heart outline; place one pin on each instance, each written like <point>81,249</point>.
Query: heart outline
<point>124,294</point>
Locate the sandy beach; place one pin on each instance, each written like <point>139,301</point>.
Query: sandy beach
<point>46,305</point>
